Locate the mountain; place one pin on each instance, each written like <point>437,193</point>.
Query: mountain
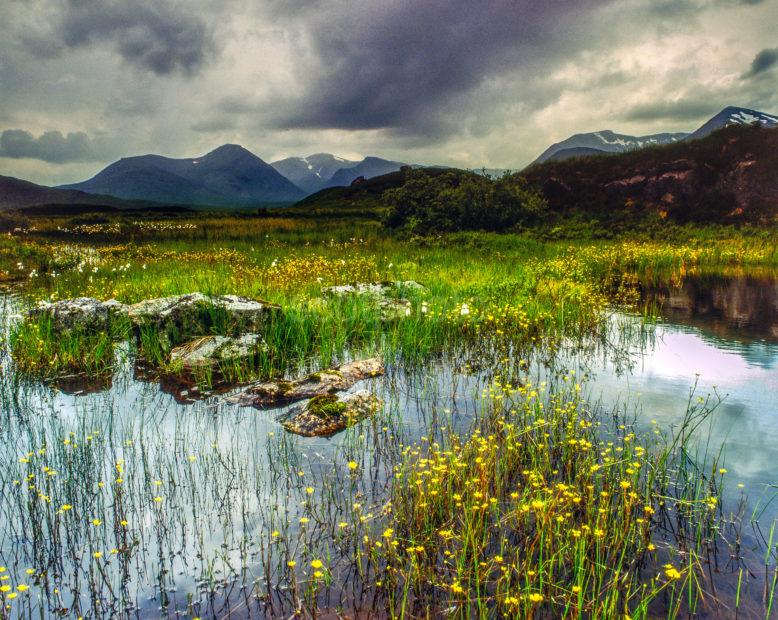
<point>598,142</point>
<point>605,141</point>
<point>734,116</point>
<point>229,176</point>
<point>312,172</point>
<point>368,168</point>
<point>727,176</point>
<point>19,194</point>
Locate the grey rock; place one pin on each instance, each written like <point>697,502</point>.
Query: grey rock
<point>79,314</point>
<point>214,350</point>
<point>274,393</point>
<point>182,317</point>
<point>374,289</point>
<point>385,296</point>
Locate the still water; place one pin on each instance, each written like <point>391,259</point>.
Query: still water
<point>204,483</point>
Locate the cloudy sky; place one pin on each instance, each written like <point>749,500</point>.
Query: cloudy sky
<point>461,82</point>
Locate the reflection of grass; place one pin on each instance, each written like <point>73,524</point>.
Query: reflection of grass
<point>543,507</point>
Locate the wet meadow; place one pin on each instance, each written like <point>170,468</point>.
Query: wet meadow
<point>509,472</point>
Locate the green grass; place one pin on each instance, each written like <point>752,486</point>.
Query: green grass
<point>505,287</point>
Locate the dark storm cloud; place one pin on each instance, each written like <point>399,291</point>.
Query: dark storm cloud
<point>162,37</point>
<point>684,110</point>
<point>51,146</point>
<point>763,61</point>
<point>394,64</point>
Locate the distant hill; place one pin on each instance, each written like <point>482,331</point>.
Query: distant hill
<point>605,141</point>
<point>229,176</point>
<point>734,116</point>
<point>313,172</point>
<point>18,194</point>
<point>368,168</point>
<point>727,176</point>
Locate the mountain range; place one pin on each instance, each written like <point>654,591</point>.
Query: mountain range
<point>323,170</point>
<point>607,141</point>
<point>229,176</point>
<point>233,177</point>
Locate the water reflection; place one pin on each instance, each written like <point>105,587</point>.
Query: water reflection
<point>718,337</point>
<point>740,308</point>
<point>250,476</point>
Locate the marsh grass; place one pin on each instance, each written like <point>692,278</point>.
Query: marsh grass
<point>534,504</point>
<point>40,350</point>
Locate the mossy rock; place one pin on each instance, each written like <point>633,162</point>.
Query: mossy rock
<point>326,407</point>
<point>327,415</point>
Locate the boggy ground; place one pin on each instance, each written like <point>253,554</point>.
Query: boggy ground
<point>543,508</point>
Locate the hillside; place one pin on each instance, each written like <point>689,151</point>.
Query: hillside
<point>605,141</point>
<point>729,176</point>
<point>368,168</point>
<point>19,194</point>
<point>229,176</point>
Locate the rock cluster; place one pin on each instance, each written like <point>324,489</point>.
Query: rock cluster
<point>186,324</point>
<point>181,318</point>
<point>275,393</point>
<point>205,332</point>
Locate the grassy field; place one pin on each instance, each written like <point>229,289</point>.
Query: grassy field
<point>543,509</point>
<point>499,286</point>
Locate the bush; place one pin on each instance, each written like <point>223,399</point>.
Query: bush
<point>458,200</point>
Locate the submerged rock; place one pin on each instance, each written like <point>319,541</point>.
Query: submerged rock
<point>273,393</point>
<point>214,350</point>
<point>328,414</point>
<point>182,317</point>
<point>80,314</point>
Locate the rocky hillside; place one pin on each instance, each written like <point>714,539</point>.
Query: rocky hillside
<point>728,176</point>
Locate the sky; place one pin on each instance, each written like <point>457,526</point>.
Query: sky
<point>487,83</point>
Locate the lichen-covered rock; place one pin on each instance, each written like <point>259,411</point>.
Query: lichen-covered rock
<point>326,415</point>
<point>392,309</point>
<point>180,318</point>
<point>385,296</point>
<point>214,350</point>
<point>373,289</point>
<point>274,393</point>
<point>80,314</point>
